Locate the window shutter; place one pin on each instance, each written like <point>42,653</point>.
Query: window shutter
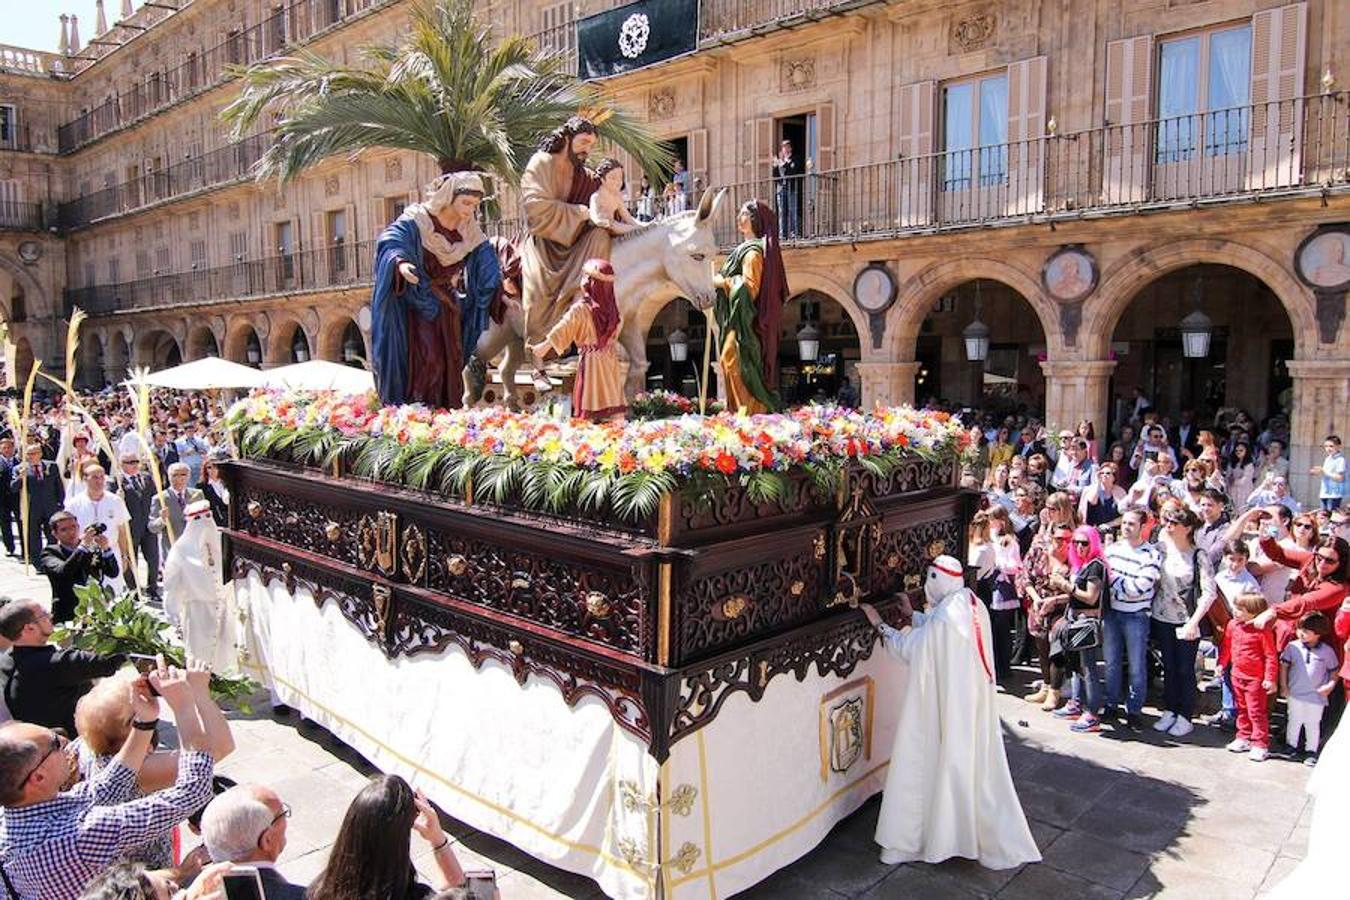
<point>825,137</point>
<point>1129,91</point>
<point>1279,48</point>
<point>1026,136</point>
<point>759,141</point>
<point>915,142</point>
<point>698,159</point>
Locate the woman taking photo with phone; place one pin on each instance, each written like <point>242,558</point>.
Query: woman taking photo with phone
<point>371,856</point>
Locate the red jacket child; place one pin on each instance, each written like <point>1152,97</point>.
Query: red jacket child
<point>1250,650</point>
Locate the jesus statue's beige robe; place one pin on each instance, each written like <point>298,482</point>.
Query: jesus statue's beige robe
<point>561,238</point>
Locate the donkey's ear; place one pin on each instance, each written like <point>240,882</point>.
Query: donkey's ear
<point>707,206</point>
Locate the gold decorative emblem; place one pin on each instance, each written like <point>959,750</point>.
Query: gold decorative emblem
<point>912,581</point>
<point>732,607</point>
<point>632,854</point>
<point>520,583</point>
<point>797,587</point>
<point>763,673</point>
<point>255,509</point>
<point>681,801</point>
<point>893,561</point>
<point>414,553</point>
<point>457,565</point>
<point>846,726</point>
<point>516,647</point>
<point>936,548</point>
<point>818,547</point>
<point>379,593</point>
<point>686,858</point>
<point>377,540</point>
<point>797,74</point>
<point>597,605</point>
<point>332,531</point>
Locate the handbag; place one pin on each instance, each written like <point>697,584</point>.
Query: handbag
<point>1081,633</point>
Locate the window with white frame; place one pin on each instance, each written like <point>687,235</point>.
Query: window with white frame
<point>1204,88</point>
<point>975,132</point>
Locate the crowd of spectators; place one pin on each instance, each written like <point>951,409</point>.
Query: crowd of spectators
<point>1170,551</point>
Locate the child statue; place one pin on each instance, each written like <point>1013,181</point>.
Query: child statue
<point>592,323</point>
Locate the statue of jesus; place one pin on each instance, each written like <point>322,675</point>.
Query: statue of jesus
<point>556,189</point>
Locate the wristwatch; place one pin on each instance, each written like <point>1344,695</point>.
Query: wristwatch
<point>144,726</point>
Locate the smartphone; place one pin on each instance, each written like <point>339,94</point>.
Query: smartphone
<point>242,883</point>
<point>481,885</point>
<point>144,662</point>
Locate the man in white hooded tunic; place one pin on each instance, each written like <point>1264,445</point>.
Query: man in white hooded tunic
<point>194,596</point>
<point>949,792</point>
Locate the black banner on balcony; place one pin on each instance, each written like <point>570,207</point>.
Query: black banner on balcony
<point>635,35</point>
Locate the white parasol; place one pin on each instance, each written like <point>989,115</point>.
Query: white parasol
<point>207,374</point>
<point>320,375</point>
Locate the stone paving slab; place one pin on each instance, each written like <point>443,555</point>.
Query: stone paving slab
<point>1116,815</point>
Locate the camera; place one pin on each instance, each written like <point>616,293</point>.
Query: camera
<point>98,528</point>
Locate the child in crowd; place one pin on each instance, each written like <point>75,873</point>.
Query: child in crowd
<point>1307,675</point>
<point>1251,653</point>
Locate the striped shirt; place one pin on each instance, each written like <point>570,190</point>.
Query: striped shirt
<point>51,850</point>
<point>1134,575</point>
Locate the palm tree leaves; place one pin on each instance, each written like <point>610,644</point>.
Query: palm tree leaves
<point>448,90</point>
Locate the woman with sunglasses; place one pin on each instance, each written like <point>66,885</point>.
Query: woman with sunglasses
<point>1322,584</point>
<point>1085,591</point>
<point>1045,608</point>
<point>1304,532</point>
<point>1185,593</point>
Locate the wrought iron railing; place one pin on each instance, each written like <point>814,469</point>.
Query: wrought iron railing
<point>1299,146</point>
<point>337,266</point>
<point>1291,148</point>
<point>217,167</point>
<point>298,22</point>
<point>17,136</point>
<point>21,216</point>
<point>721,20</point>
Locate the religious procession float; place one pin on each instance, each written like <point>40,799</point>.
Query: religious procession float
<point>625,647</point>
<point>624,644</point>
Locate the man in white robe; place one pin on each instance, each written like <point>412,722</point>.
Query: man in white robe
<point>194,596</point>
<point>949,792</point>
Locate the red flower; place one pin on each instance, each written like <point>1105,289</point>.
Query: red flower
<point>726,463</point>
<point>902,440</point>
<point>627,462</point>
<point>766,458</point>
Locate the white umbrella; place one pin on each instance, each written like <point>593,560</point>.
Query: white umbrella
<point>320,375</point>
<point>207,374</point>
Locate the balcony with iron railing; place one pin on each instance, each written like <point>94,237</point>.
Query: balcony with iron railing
<point>16,216</point>
<point>300,21</point>
<point>1294,148</point>
<point>17,137</point>
<point>225,165</point>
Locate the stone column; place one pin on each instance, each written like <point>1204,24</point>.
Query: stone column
<point>1075,390</point>
<point>1321,407</point>
<point>887,383</point>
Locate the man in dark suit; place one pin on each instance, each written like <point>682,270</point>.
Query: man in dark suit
<point>41,683</point>
<point>138,491</point>
<point>1185,437</point>
<point>247,825</point>
<point>166,453</point>
<point>73,560</point>
<point>9,496</point>
<point>787,178</point>
<point>46,496</point>
<point>168,510</point>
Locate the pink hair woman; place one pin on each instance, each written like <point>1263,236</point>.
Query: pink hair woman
<point>1086,588</point>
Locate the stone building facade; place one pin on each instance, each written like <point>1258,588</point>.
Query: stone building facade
<point>1080,175</point>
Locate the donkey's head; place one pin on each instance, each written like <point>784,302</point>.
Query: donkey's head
<point>688,249</point>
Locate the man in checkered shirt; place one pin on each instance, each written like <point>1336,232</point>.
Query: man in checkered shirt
<point>53,842</point>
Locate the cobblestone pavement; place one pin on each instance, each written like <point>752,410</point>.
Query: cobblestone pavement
<point>1115,817</point>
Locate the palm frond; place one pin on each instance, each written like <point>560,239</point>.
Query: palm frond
<point>77,317</point>
<point>449,89</point>
<point>638,495</point>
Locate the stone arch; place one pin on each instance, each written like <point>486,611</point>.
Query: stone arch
<point>806,280</point>
<point>35,297</point>
<point>237,340</point>
<point>331,335</point>
<point>201,343</point>
<point>920,292</point>
<point>651,307</point>
<point>277,347</point>
<point>117,353</point>
<point>156,348</point>
<point>1123,282</point>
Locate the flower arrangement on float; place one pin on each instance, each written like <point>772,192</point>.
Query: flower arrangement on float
<point>557,465</point>
<point>667,405</point>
